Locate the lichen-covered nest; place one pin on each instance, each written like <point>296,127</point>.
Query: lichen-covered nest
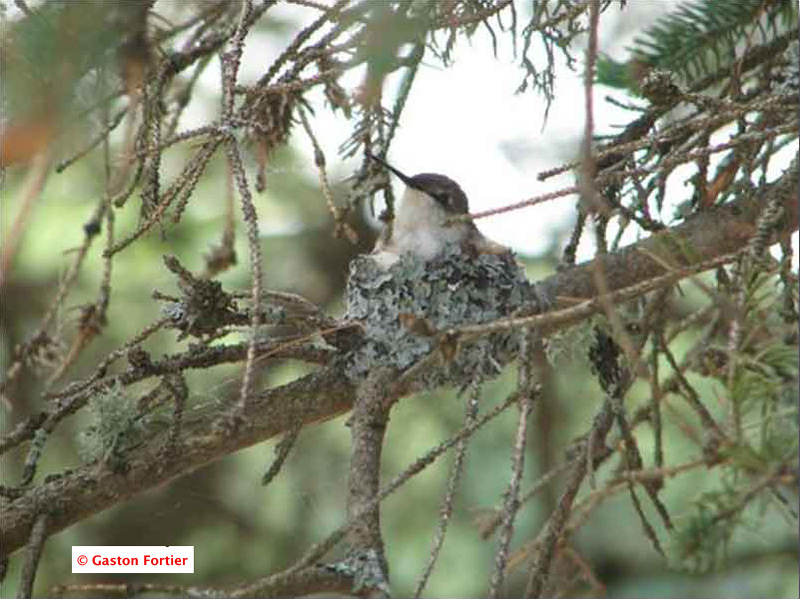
<point>449,291</point>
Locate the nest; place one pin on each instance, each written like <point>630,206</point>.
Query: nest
<point>447,292</point>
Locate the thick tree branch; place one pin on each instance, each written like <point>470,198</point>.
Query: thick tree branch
<point>709,234</point>
<point>368,431</point>
<point>78,494</point>
<point>92,488</point>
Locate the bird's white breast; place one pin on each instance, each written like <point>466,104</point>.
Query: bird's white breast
<point>421,228</point>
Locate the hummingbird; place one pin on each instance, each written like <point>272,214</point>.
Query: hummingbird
<point>424,224</point>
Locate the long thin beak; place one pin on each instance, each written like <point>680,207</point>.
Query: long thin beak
<point>401,176</point>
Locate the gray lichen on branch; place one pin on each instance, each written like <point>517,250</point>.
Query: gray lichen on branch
<point>408,309</point>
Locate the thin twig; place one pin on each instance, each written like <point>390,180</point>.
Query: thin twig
<point>33,552</point>
<point>512,502</point>
<point>540,570</point>
<point>256,265</point>
<point>282,451</point>
<point>446,509</point>
<point>342,228</point>
<point>100,138</point>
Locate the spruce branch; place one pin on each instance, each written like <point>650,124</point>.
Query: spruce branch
<point>698,38</point>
